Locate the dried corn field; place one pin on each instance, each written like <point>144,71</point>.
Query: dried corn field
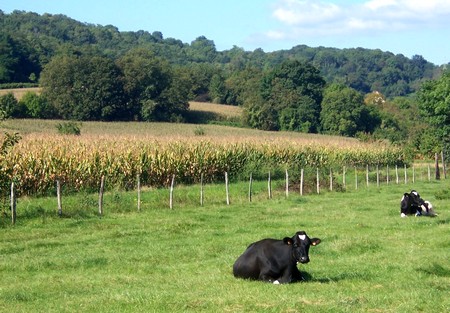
<point>79,161</point>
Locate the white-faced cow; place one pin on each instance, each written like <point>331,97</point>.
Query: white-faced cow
<point>413,204</point>
<point>275,261</point>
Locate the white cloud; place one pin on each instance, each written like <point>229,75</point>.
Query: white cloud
<point>301,18</point>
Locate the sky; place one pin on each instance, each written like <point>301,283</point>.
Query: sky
<point>408,27</point>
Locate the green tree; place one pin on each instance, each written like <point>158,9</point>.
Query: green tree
<point>145,76</point>
<point>37,106</point>
<point>157,91</point>
<point>344,112</point>
<point>84,88</point>
<point>291,93</point>
<point>10,107</point>
<point>434,106</point>
<point>217,89</point>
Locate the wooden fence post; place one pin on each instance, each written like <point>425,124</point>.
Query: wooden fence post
<point>100,196</point>
<point>269,186</point>
<point>227,188</point>
<point>301,181</point>
<point>343,176</point>
<point>406,175</point>
<point>58,197</point>
<point>429,173</point>
<point>138,178</point>
<point>436,165</point>
<point>172,183</point>
<point>396,173</point>
<point>287,184</point>
<point>201,190</point>
<point>317,181</point>
<point>387,174</point>
<point>367,175</point>
<point>13,205</point>
<point>331,179</point>
<point>250,188</point>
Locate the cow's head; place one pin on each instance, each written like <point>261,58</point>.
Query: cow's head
<point>300,246</point>
<point>415,198</point>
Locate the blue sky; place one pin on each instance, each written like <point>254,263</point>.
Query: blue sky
<point>407,27</point>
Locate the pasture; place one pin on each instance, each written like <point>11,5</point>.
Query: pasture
<point>180,260</point>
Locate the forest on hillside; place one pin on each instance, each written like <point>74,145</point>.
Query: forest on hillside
<point>95,72</point>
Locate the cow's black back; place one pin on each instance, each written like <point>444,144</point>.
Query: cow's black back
<point>274,260</point>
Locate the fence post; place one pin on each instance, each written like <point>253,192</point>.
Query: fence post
<point>172,183</point>
<point>317,181</point>
<point>250,188</point>
<point>58,197</point>
<point>331,179</point>
<point>13,205</point>
<point>367,175</point>
<point>387,174</point>
<point>406,175</point>
<point>100,196</point>
<point>301,181</point>
<point>227,188</point>
<point>138,178</point>
<point>396,173</point>
<point>269,186</point>
<point>287,184</point>
<point>343,176</point>
<point>201,189</point>
<point>429,173</point>
<point>436,165</point>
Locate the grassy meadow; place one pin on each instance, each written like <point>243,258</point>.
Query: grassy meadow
<point>180,260</point>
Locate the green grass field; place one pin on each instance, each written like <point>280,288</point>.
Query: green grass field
<point>180,260</point>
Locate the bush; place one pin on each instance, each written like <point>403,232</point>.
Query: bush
<point>69,128</point>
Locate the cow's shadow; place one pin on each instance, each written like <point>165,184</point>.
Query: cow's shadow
<point>333,279</point>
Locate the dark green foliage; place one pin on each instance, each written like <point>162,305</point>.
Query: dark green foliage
<point>69,128</point>
<point>10,107</point>
<point>434,105</point>
<point>84,88</point>
<point>37,106</point>
<point>289,99</point>
<point>344,112</point>
<point>362,69</point>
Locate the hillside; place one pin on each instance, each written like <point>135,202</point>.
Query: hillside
<point>30,41</point>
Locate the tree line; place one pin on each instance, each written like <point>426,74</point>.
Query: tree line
<point>94,72</point>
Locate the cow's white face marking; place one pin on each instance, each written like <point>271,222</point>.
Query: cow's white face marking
<point>403,198</point>
<point>302,237</point>
<point>276,282</point>
<point>415,193</point>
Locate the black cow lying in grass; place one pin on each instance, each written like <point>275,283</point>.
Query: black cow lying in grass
<point>275,261</point>
<point>413,204</point>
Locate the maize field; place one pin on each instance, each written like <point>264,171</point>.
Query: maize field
<point>79,162</point>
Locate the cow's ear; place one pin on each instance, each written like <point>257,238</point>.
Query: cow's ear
<point>288,241</point>
<point>315,241</point>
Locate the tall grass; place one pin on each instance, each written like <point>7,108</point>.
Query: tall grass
<point>180,260</point>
